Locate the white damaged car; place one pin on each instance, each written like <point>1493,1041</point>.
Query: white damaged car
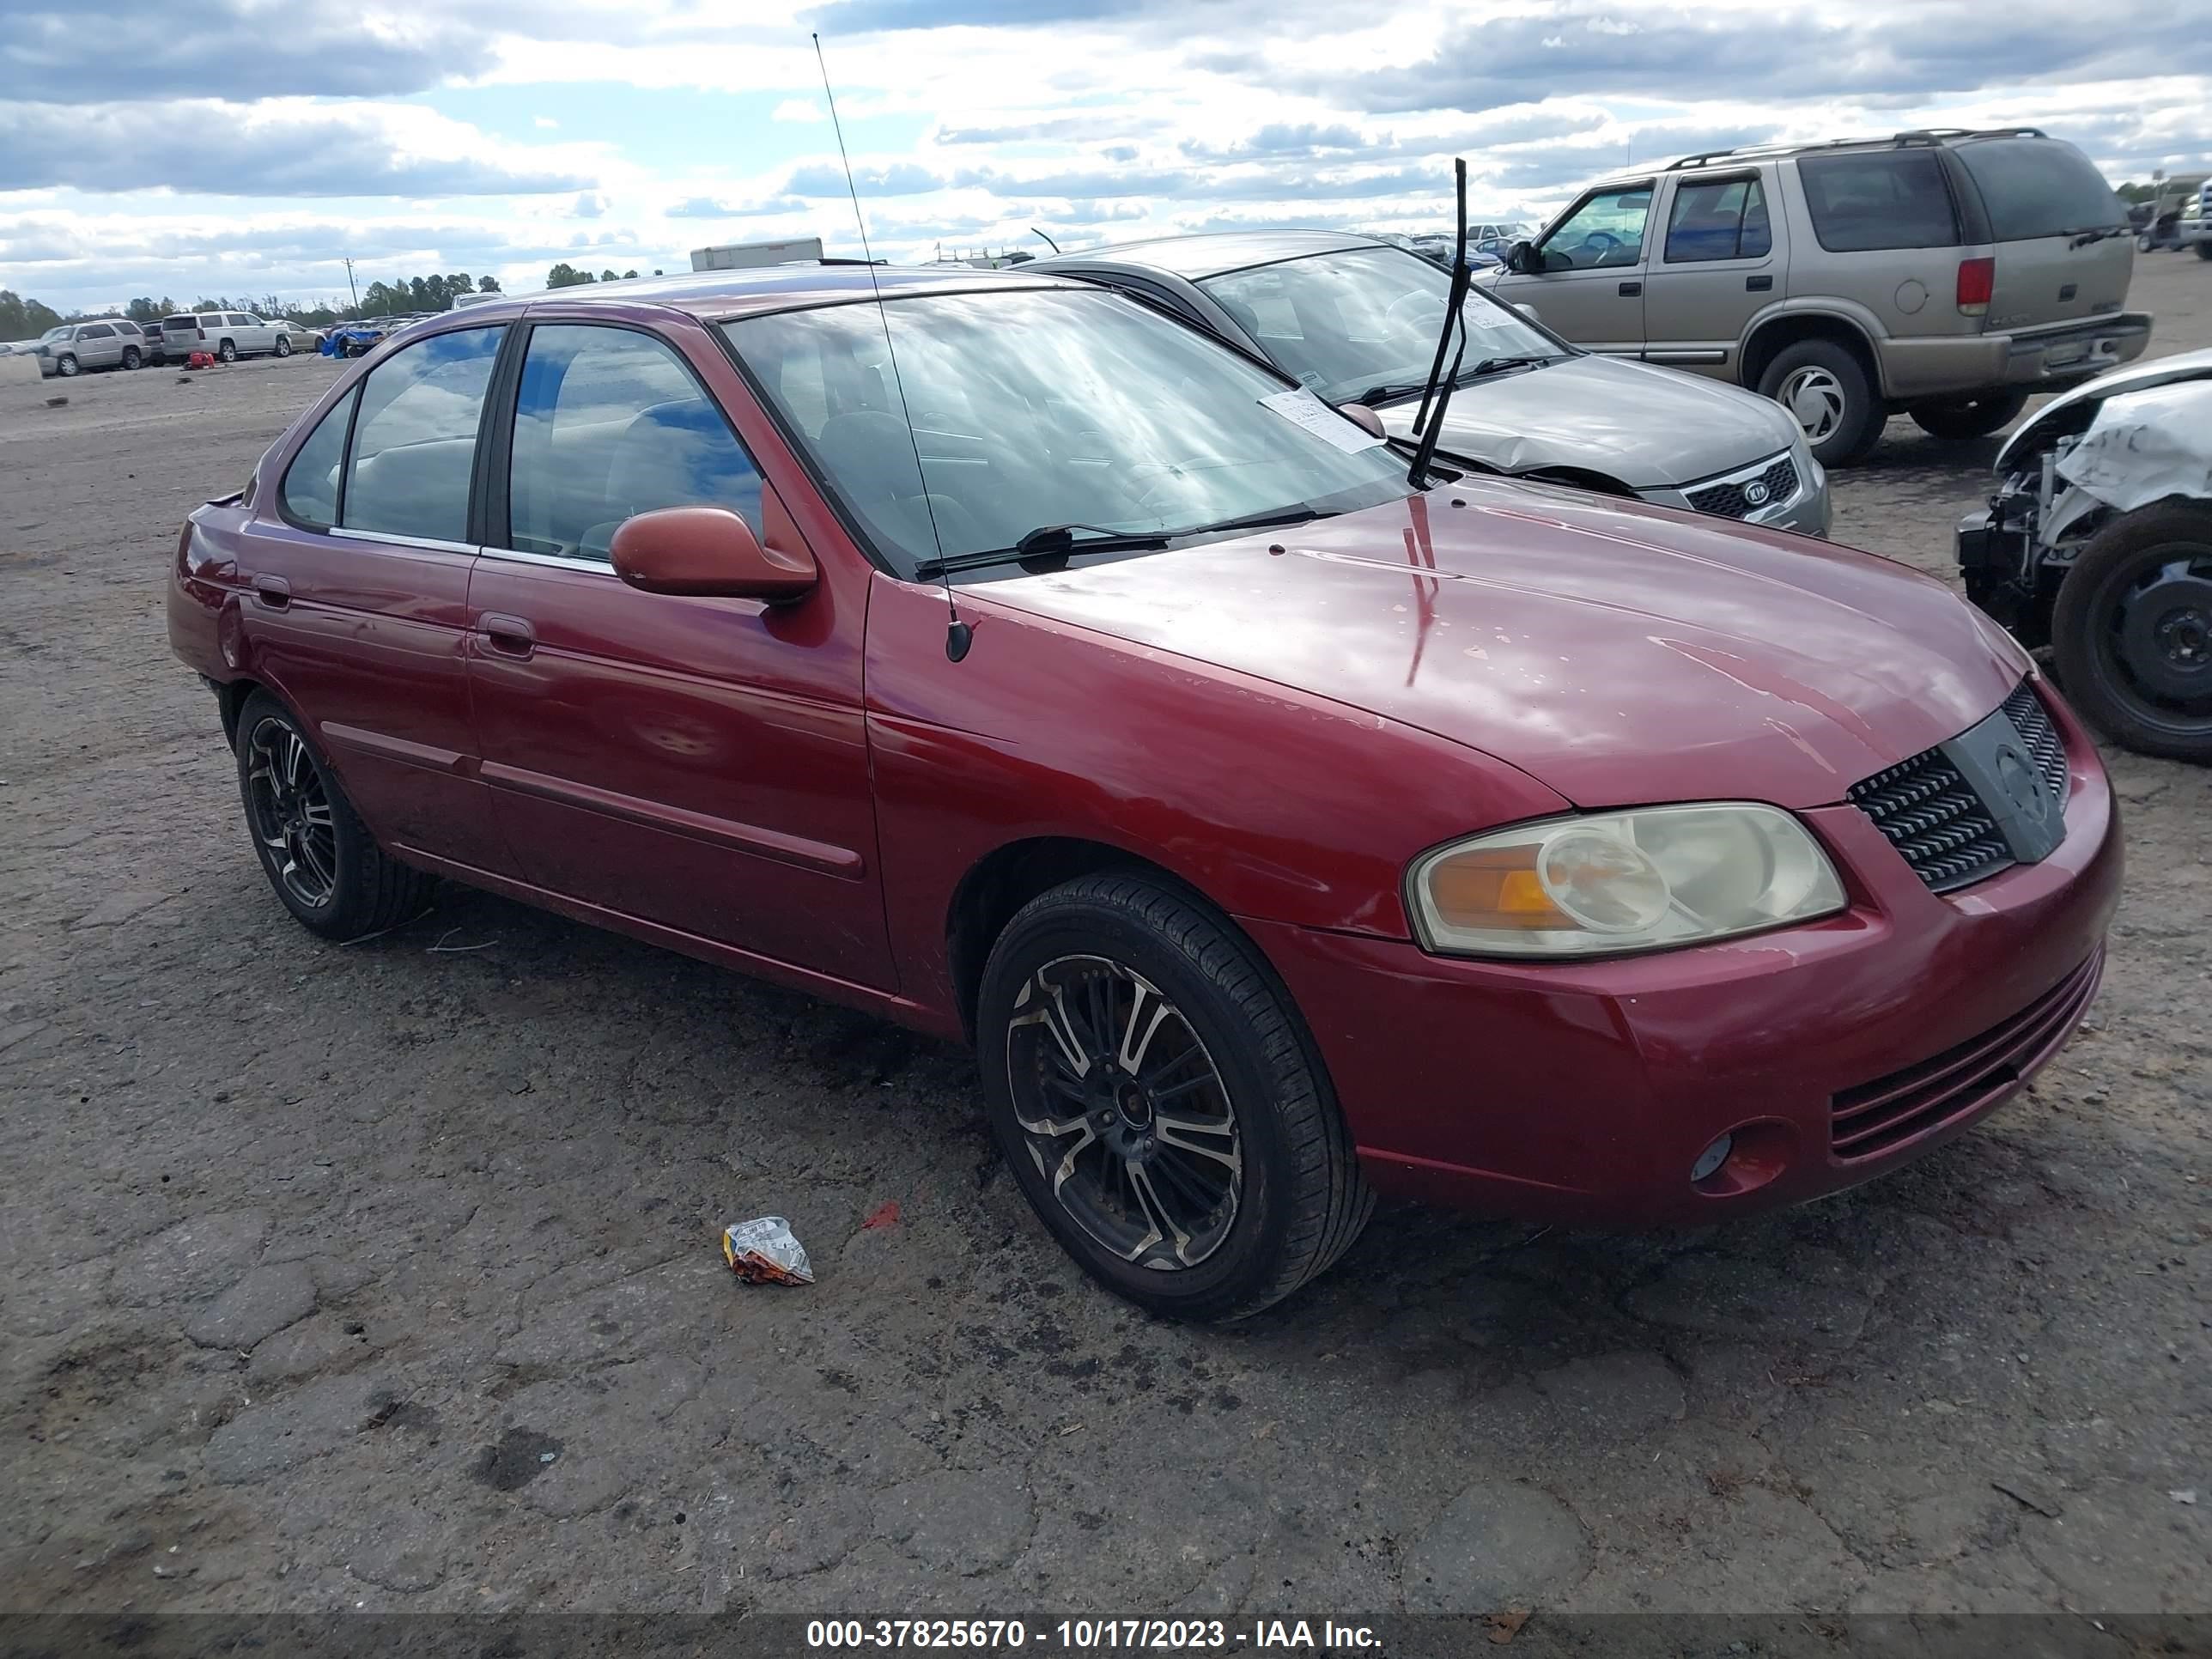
<point>2099,544</point>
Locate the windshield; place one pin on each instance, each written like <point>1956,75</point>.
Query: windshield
<point>61,333</point>
<point>1345,323</point>
<point>1034,408</point>
<point>2040,187</point>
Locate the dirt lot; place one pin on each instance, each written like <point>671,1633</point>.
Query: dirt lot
<point>384,1276</point>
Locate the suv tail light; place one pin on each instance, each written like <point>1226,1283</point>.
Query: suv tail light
<point>1977,280</point>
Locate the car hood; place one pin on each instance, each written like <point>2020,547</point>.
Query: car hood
<point>1619,653</point>
<point>1648,427</point>
<point>2063,414</point>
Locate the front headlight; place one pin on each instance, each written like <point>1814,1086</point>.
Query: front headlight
<point>1607,882</point>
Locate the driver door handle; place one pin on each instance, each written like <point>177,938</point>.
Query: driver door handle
<point>1631,288</point>
<point>511,636</point>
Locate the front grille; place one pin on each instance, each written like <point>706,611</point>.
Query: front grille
<point>1879,1117</point>
<point>1729,500</point>
<point>2032,721</point>
<point>1932,816</point>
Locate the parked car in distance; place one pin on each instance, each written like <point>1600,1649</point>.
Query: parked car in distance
<point>298,336</point>
<point>228,335</point>
<point>71,348</point>
<point>1279,833</point>
<point>1357,321</point>
<point>2192,227</point>
<point>1946,275</point>
<point>2099,544</point>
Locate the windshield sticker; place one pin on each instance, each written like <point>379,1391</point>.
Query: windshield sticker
<point>1303,409</point>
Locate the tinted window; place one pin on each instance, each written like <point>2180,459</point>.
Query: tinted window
<point>1718,219</point>
<point>181,322</point>
<point>610,423</point>
<point>2037,187</point>
<point>311,482</point>
<point>1035,407</point>
<point>1889,199</point>
<point>1347,323</point>
<point>95,331</point>
<point>1606,230</point>
<point>414,445</point>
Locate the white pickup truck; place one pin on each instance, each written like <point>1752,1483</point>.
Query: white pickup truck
<point>2194,229</point>
<point>229,335</point>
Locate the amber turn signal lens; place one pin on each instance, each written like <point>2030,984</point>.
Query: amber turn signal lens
<point>1492,887</point>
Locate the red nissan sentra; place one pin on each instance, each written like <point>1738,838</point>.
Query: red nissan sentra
<point>1014,662</point>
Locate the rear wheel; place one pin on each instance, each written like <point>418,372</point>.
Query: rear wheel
<point>1828,389</point>
<point>131,356</point>
<point>1155,1093</point>
<point>326,867</point>
<point>227,352</point>
<point>1968,417</point>
<point>2132,631</point>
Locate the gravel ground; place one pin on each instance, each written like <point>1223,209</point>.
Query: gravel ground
<point>385,1276</point>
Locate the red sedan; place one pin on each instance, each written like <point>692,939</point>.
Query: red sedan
<point>1012,661</point>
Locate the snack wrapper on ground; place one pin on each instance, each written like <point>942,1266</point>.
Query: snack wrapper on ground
<point>763,1251</point>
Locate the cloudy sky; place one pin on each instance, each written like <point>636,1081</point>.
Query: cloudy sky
<point>244,147</point>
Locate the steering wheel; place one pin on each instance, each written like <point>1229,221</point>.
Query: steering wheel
<point>1600,242</point>
<point>1404,314</point>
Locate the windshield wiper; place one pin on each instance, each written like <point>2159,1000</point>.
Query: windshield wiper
<point>1389,391</point>
<point>1300,514</point>
<point>1499,364</point>
<point>1049,541</point>
<point>2093,233</point>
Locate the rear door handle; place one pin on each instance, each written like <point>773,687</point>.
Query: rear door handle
<point>510,637</point>
<point>273,591</point>
<point>1759,284</point>
<point>1631,288</point>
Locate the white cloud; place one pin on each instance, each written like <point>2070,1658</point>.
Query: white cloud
<point>797,109</point>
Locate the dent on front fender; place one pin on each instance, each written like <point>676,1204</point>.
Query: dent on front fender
<point>2144,447</point>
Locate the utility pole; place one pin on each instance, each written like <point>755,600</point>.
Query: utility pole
<point>355,291</point>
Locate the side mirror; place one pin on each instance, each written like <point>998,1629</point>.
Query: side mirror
<point>1363,417</point>
<point>1522,257</point>
<point>707,552</point>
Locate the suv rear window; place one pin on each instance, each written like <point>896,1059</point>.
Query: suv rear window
<point>1878,199</point>
<point>2039,187</point>
<point>180,323</point>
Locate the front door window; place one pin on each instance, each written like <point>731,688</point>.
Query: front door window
<point>1606,230</point>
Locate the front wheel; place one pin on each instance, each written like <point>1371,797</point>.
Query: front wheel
<point>1826,386</point>
<point>1156,1094</point>
<point>65,366</point>
<point>2132,631</point>
<point>326,867</point>
<point>2203,248</point>
<point>1976,417</point>
<point>283,346</point>
<point>227,352</point>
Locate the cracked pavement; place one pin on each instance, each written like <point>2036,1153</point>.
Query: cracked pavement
<point>385,1276</point>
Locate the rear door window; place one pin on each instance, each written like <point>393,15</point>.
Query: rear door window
<point>95,331</point>
<point>1878,199</point>
<point>609,423</point>
<point>1718,219</point>
<point>415,441</point>
<point>311,482</point>
<point>2039,187</point>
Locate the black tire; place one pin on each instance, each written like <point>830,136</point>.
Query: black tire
<point>284,346</point>
<point>2203,248</point>
<point>1293,1200</point>
<point>1968,417</point>
<point>66,366</point>
<point>1823,372</point>
<point>2132,631</point>
<point>227,352</point>
<point>367,890</point>
<point>131,356</point>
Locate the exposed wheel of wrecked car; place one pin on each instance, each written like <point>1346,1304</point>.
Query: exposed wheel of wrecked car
<point>2132,631</point>
<point>1829,390</point>
<point>1968,417</point>
<point>1157,1098</point>
<point>326,867</point>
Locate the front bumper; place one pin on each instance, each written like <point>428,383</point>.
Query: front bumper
<point>1586,1091</point>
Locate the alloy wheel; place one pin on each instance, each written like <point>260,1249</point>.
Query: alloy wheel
<point>291,813</point>
<point>1125,1113</point>
<point>1815,397</point>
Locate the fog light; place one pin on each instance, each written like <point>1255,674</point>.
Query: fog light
<point>1709,1161</point>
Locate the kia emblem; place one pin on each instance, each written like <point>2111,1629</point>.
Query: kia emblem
<point>1755,493</point>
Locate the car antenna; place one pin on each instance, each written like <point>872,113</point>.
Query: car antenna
<point>959,635</point>
<point>1429,423</point>
<point>1046,240</point>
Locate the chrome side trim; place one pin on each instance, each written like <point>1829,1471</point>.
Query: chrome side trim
<point>1687,355</point>
<point>429,544</point>
<point>559,561</point>
<point>1745,474</point>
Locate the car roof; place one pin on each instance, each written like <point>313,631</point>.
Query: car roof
<point>1744,155</point>
<point>1210,254</point>
<point>720,294</point>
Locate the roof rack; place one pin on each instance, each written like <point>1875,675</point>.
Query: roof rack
<point>1917,136</point>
